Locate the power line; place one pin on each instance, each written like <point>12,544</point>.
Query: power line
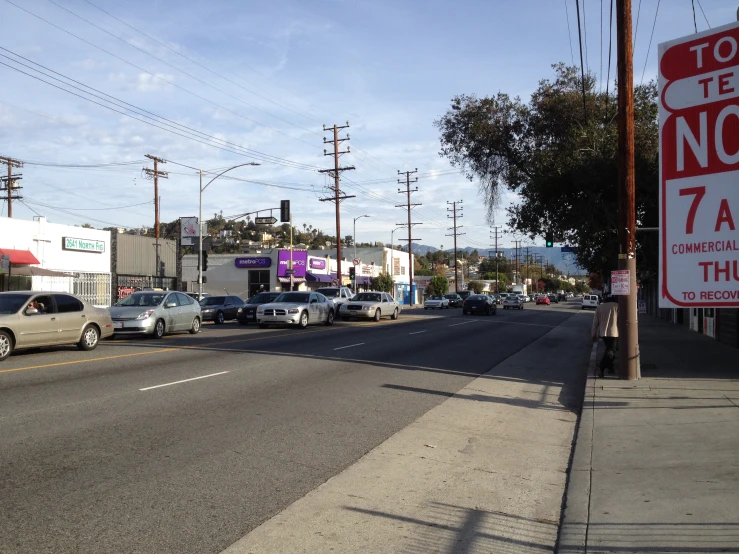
<point>704,13</point>
<point>569,33</point>
<point>585,34</point>
<point>695,24</point>
<point>582,67</point>
<point>600,75</point>
<point>610,44</point>
<point>638,13</point>
<point>650,43</point>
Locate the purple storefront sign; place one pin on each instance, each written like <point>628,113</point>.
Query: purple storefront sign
<point>253,262</point>
<point>317,263</point>
<point>300,260</point>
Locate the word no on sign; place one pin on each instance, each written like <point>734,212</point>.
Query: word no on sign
<point>699,172</point>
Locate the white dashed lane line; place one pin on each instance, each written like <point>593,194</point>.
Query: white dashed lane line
<point>349,346</point>
<point>184,381</point>
<point>417,333</point>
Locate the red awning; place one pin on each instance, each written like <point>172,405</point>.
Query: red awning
<point>20,257</point>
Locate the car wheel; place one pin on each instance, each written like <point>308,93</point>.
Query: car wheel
<point>378,315</point>
<point>6,345</point>
<point>90,338</point>
<point>263,325</point>
<point>219,319</point>
<point>195,329</point>
<point>159,329</point>
<point>303,320</point>
<point>395,314</point>
<point>330,318</point>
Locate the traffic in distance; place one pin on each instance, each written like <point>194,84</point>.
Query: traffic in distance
<point>42,319</point>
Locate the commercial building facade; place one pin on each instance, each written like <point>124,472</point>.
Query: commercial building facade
<point>54,257</point>
<point>134,264</point>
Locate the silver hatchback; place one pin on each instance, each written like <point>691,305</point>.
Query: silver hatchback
<point>156,313</point>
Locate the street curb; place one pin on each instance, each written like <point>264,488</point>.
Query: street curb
<point>573,530</point>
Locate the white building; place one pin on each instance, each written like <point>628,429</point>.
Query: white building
<point>53,257</point>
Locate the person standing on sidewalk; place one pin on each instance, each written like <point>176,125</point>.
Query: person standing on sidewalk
<point>605,327</point>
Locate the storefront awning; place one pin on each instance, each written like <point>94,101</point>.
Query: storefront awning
<point>320,277</point>
<point>39,272</point>
<point>296,280</point>
<point>20,257</point>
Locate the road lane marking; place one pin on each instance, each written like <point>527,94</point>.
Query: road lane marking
<point>350,346</point>
<point>463,323</point>
<point>417,333</point>
<point>183,381</point>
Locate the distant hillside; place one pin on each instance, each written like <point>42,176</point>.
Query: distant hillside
<point>420,249</point>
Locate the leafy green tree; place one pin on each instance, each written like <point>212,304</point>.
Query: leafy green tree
<point>383,282</point>
<point>476,286</point>
<point>563,167</point>
<point>438,285</point>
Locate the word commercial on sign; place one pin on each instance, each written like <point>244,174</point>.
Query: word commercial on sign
<point>699,171</point>
<point>83,245</point>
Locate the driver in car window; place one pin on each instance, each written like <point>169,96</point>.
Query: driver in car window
<point>35,306</point>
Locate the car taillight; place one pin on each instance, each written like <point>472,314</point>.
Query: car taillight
<point>464,302</point>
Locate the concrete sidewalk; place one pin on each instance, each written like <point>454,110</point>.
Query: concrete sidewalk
<point>656,464</point>
<point>485,471</point>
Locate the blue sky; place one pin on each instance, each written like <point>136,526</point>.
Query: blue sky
<point>267,76</point>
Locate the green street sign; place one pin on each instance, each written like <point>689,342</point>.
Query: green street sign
<point>83,245</point>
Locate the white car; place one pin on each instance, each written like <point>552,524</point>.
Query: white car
<point>296,309</point>
<point>337,295</point>
<point>590,301</point>
<point>436,302</point>
<point>370,305</point>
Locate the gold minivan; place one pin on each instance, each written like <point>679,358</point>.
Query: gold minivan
<point>33,319</point>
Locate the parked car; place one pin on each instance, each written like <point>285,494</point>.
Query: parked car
<point>436,302</point>
<point>512,301</point>
<point>337,295</point>
<point>197,296</point>
<point>553,298</point>
<point>464,293</point>
<point>34,319</point>
<point>479,304</point>
<point>219,309</point>
<point>296,309</point>
<point>248,312</point>
<point>523,298</point>
<point>543,300</point>
<point>370,305</point>
<point>455,301</point>
<point>156,313</point>
<point>590,301</point>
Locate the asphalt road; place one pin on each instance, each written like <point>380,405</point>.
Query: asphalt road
<point>186,444</point>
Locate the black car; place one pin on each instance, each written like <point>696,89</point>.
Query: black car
<point>248,312</point>
<point>220,308</point>
<point>464,294</point>
<point>554,299</point>
<point>479,304</point>
<point>455,301</point>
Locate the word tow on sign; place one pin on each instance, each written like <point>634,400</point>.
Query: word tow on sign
<point>699,172</point>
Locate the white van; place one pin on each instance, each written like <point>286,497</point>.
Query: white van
<point>590,301</point>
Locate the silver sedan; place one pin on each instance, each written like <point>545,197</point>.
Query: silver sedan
<point>156,313</point>
<point>297,309</point>
<point>371,305</point>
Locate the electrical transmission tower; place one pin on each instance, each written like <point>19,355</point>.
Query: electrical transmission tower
<point>407,182</point>
<point>9,183</point>
<point>455,233</point>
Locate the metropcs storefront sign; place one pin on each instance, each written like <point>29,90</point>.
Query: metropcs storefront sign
<point>83,245</point>
<point>699,171</point>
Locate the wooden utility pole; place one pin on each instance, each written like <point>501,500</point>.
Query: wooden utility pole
<point>497,257</point>
<point>10,181</point>
<point>155,174</point>
<point>454,217</point>
<point>338,196</point>
<point>407,182</point>
<point>628,332</point>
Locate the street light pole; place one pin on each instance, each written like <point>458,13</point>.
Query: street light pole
<point>392,258</point>
<point>200,221</point>
<point>354,238</point>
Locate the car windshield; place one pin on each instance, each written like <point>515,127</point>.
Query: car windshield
<point>296,297</point>
<point>451,296</point>
<point>142,299</point>
<point>477,297</point>
<point>11,303</point>
<point>213,301</point>
<point>437,298</point>
<point>263,298</point>
<point>367,297</point>
<point>329,293</point>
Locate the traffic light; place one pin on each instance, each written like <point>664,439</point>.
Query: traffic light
<point>285,211</point>
<point>205,260</point>
<point>352,273</point>
<point>550,240</point>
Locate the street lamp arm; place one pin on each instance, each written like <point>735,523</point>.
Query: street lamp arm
<point>226,171</point>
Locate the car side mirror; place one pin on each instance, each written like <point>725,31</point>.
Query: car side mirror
<point>31,311</point>
<point>171,305</point>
